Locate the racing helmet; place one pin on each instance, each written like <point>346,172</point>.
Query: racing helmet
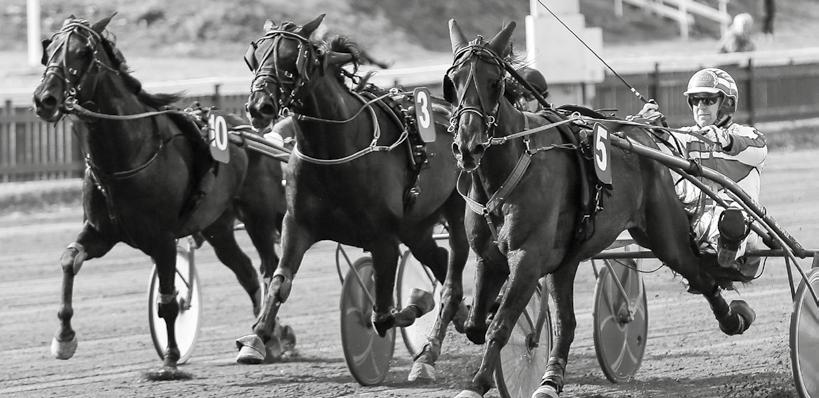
<point>715,81</point>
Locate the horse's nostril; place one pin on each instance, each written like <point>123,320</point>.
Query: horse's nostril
<point>455,149</point>
<point>46,101</point>
<point>267,109</point>
<point>480,149</point>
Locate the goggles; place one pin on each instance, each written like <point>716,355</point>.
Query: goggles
<point>706,100</point>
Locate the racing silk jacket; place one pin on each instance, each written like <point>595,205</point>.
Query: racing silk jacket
<point>741,160</point>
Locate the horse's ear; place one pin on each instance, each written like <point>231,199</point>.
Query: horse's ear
<point>309,27</point>
<point>500,42</point>
<point>337,58</point>
<point>269,25</point>
<point>46,43</point>
<point>449,90</point>
<point>456,36</point>
<point>99,27</point>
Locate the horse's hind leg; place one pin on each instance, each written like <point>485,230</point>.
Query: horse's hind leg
<point>164,256</point>
<point>90,244</point>
<point>221,236</point>
<point>667,236</point>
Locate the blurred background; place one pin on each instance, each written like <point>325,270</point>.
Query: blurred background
<point>196,46</point>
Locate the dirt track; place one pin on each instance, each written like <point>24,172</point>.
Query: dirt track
<point>686,355</point>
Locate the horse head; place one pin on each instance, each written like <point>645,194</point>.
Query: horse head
<point>284,62</point>
<point>475,84</point>
<point>74,58</point>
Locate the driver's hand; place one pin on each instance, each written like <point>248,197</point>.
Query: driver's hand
<point>717,134</point>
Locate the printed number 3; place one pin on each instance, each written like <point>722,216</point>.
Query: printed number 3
<point>424,119</point>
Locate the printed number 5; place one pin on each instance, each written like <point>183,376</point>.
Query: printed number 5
<point>422,100</point>
<point>601,155</point>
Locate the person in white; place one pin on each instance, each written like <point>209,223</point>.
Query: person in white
<point>735,150</point>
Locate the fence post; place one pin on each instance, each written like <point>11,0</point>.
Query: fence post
<point>217,98</point>
<point>8,110</point>
<point>654,85</point>
<point>749,89</point>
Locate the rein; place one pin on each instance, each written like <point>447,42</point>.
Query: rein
<point>373,147</point>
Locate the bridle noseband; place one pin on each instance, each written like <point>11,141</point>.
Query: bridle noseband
<point>288,85</point>
<point>477,50</point>
<point>63,72</point>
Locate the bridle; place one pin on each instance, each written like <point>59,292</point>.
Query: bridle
<point>61,69</point>
<point>477,50</point>
<point>289,85</point>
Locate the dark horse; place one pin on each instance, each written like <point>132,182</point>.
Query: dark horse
<point>535,222</point>
<point>142,184</point>
<point>348,176</point>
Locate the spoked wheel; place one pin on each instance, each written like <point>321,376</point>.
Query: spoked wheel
<point>805,339</point>
<point>414,275</point>
<point>524,357</point>
<point>620,321</point>
<point>367,354</point>
<point>188,296</point>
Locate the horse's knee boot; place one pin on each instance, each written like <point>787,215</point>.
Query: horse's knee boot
<point>733,228</point>
<point>73,257</point>
<point>739,318</point>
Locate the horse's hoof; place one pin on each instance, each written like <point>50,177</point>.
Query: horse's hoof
<point>421,371</point>
<point>167,373</point>
<point>63,349</point>
<point>468,394</point>
<point>739,319</point>
<point>251,350</point>
<point>546,391</point>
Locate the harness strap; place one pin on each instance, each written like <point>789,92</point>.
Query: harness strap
<point>373,147</point>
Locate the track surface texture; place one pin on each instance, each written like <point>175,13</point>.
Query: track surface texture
<point>686,354</point>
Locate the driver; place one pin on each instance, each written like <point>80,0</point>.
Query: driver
<point>738,152</point>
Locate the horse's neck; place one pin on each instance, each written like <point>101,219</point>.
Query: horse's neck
<point>116,145</point>
<point>329,99</point>
<point>500,160</point>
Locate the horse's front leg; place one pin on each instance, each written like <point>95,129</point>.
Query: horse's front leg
<point>561,287</point>
<point>90,244</point>
<point>260,346</point>
<point>522,284</point>
<point>385,262</point>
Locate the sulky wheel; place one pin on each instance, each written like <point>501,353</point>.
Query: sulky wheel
<point>620,322</point>
<point>524,357</point>
<point>805,339</point>
<point>414,275</point>
<point>367,354</point>
<point>190,306</point>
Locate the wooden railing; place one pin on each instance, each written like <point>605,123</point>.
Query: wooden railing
<point>681,11</point>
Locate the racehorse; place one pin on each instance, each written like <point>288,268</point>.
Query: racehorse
<point>143,180</point>
<point>533,211</point>
<point>348,178</point>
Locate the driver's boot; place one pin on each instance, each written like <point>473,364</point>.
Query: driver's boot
<point>733,228</point>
